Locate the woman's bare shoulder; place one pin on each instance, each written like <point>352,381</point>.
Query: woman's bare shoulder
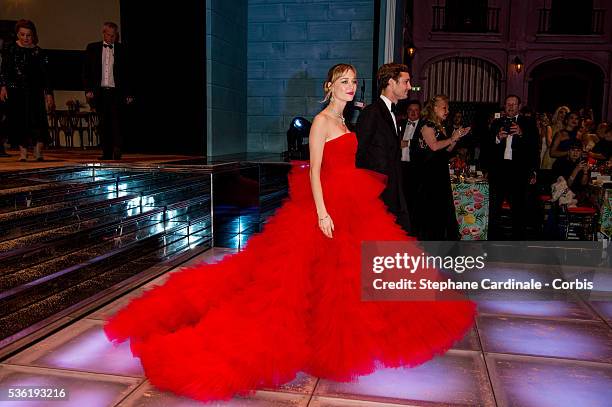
<point>321,124</point>
<point>322,118</point>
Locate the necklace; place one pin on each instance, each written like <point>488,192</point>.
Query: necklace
<point>339,116</point>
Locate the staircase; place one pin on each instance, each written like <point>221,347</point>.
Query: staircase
<point>73,238</point>
<point>68,234</point>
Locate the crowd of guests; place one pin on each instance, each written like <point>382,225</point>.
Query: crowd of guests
<point>514,148</point>
<point>520,153</point>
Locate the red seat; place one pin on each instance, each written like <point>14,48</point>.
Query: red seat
<point>582,210</point>
<point>506,205</point>
<point>545,198</point>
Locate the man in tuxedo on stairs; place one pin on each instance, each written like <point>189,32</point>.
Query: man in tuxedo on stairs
<point>105,78</point>
<point>378,137</point>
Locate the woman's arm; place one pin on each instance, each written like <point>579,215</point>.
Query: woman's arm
<point>451,147</point>
<point>460,133</point>
<point>549,135</point>
<point>316,144</point>
<point>4,73</point>
<point>597,156</point>
<point>429,135</point>
<point>46,80</point>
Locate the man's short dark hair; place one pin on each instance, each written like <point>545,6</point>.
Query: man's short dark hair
<point>389,71</point>
<point>111,25</point>
<point>414,102</point>
<point>513,96</point>
<point>576,145</point>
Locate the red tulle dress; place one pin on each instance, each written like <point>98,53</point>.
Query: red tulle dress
<point>290,301</point>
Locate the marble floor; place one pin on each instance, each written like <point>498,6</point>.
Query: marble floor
<point>527,353</point>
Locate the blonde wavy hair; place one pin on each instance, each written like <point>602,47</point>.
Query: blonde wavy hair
<point>334,73</point>
<point>429,114</point>
<point>557,124</point>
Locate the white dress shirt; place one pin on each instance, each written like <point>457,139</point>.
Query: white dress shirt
<point>508,149</point>
<point>388,104</point>
<point>408,135</point>
<point>108,61</point>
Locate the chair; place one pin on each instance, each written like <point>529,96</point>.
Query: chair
<point>81,123</point>
<point>65,125</point>
<point>54,129</point>
<point>93,121</point>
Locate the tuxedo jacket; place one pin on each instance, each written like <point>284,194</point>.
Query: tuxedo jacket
<point>379,150</point>
<point>92,68</point>
<point>525,151</point>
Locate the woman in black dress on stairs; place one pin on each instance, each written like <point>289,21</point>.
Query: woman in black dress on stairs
<point>431,149</point>
<point>25,88</point>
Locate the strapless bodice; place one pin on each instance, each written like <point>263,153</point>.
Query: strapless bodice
<point>339,153</point>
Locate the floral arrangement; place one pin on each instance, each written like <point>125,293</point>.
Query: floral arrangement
<point>458,164</point>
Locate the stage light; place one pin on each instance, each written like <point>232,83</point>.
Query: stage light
<point>297,122</point>
<point>297,138</point>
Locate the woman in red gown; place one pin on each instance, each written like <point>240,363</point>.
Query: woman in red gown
<point>290,301</point>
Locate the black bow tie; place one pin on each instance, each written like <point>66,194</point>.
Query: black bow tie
<point>411,123</point>
<point>393,107</point>
<point>108,46</point>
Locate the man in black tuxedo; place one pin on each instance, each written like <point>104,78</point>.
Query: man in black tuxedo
<point>379,138</point>
<point>410,128</point>
<point>107,87</point>
<point>512,163</point>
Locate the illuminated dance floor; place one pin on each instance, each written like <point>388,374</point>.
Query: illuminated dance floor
<point>528,353</point>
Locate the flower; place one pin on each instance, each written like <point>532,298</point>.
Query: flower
<point>469,219</point>
<point>465,232</point>
<point>469,209</point>
<point>477,205</point>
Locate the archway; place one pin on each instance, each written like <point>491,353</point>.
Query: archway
<point>466,79</point>
<point>473,86</point>
<point>571,82</point>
